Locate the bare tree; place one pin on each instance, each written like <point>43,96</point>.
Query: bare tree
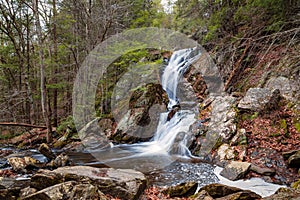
<point>45,108</point>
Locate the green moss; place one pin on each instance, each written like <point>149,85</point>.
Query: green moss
<point>283,125</point>
<point>275,135</point>
<point>297,126</point>
<point>68,123</point>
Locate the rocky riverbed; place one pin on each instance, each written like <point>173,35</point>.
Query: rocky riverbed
<point>250,135</point>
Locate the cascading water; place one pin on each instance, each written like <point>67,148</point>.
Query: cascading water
<point>172,130</point>
<point>171,136</point>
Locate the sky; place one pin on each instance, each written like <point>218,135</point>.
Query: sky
<point>168,5</point>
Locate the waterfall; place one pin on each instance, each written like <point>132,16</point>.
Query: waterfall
<point>172,133</point>
<point>178,64</point>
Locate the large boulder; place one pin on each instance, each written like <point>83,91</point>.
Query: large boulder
<point>288,88</point>
<point>235,170</point>
<point>139,122</point>
<point>259,99</point>
<point>221,191</point>
<point>68,190</point>
<point>92,136</point>
<point>121,183</point>
<point>10,187</point>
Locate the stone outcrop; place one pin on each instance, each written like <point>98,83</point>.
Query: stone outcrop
<point>259,99</point>
<point>221,126</point>
<point>121,183</point>
<point>140,121</point>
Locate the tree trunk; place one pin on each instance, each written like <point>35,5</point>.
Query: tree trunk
<point>55,90</point>
<point>42,70</point>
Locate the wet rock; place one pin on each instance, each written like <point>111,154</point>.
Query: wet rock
<point>10,187</point>
<point>92,137</point>
<point>235,170</point>
<point>140,121</point>
<point>287,87</point>
<point>68,190</point>
<point>284,193</point>
<point>171,114</point>
<point>262,170</point>
<point>46,151</point>
<point>202,195</point>
<point>245,195</point>
<point>259,99</point>
<point>122,183</point>
<point>20,164</point>
<point>61,160</point>
<point>45,178</point>
<point>294,160</point>
<point>217,190</point>
<point>181,190</point>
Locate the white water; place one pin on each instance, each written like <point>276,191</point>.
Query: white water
<point>171,136</point>
<point>172,131</point>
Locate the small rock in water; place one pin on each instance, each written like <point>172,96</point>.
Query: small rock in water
<point>235,170</point>
<point>20,164</point>
<point>46,151</point>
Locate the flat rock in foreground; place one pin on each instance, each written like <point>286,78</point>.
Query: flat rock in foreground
<point>121,183</point>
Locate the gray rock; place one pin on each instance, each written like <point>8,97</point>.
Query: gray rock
<point>235,170</point>
<point>262,170</point>
<point>222,123</point>
<point>92,136</point>
<point>288,88</point>
<point>259,99</point>
<point>10,187</point>
<point>68,190</point>
<point>122,183</point>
